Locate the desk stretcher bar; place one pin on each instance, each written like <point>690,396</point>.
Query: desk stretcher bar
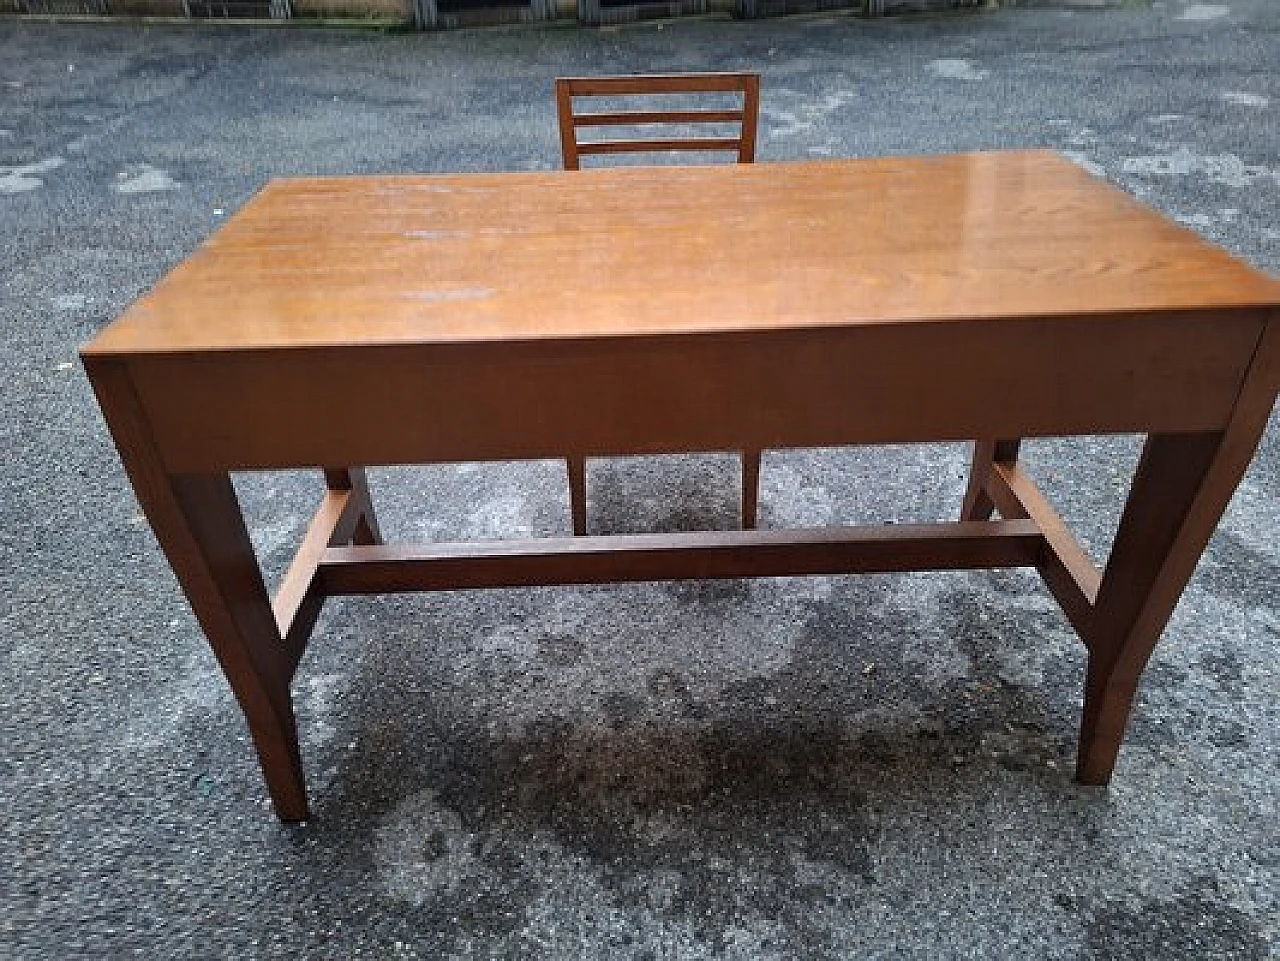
<point>328,564</point>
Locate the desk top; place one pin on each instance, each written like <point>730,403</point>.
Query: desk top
<point>635,251</point>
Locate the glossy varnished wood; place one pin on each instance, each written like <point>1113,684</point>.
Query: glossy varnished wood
<point>414,319</point>
<point>201,529</point>
<point>536,256</point>
<point>1182,485</point>
<point>660,557</point>
<point>345,516</point>
<point>697,392</point>
<point>1067,569</point>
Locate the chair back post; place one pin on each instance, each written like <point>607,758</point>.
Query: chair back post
<point>568,134</point>
<point>750,117</point>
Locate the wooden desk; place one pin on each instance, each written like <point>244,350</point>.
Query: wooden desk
<point>386,320</point>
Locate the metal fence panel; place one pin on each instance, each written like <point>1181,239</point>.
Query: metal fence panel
<point>602,12</point>
<point>237,9</point>
<point>445,14</point>
<point>63,7</point>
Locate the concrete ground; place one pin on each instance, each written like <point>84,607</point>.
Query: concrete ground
<point>816,768</point>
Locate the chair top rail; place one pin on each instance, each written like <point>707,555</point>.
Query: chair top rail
<point>658,83</point>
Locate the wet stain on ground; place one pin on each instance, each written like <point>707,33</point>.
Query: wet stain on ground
<point>1196,925</point>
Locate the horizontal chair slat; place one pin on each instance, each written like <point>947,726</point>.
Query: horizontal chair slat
<point>661,557</point>
<point>650,146</point>
<point>684,83</point>
<point>632,117</point>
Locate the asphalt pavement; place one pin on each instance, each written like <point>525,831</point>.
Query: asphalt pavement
<point>874,767</point>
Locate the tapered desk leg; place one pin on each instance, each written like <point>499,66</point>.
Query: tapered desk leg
<point>1182,485</point>
<point>978,505</point>
<point>1179,492</point>
<point>198,522</point>
<point>224,585</point>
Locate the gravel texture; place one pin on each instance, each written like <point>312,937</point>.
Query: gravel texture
<point>816,768</point>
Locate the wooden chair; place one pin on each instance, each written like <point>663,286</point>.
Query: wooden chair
<point>744,119</point>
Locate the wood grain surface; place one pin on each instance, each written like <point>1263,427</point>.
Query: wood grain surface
<point>627,251</point>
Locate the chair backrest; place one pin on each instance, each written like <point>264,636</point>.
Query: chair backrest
<point>745,117</point>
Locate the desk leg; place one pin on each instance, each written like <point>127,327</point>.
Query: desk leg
<point>353,479</point>
<point>576,466</point>
<point>750,488</point>
<point>197,520</point>
<point>978,505</point>
<point>1182,485</point>
<point>224,585</point>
